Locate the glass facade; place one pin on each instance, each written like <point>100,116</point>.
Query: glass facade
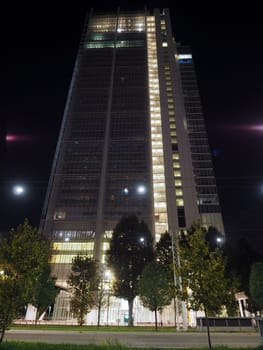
<point>132,140</point>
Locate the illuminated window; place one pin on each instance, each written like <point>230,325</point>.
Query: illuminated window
<point>177,173</point>
<point>178,183</point>
<point>179,192</point>
<point>73,246</point>
<point>184,56</point>
<point>60,215</point>
<point>106,246</point>
<point>159,193</point>
<point>180,202</point>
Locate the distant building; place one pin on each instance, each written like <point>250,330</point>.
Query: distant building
<point>132,139</point>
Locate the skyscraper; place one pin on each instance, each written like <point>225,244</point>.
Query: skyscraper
<point>132,140</point>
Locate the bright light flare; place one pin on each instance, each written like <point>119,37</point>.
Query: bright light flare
<point>18,138</point>
<point>18,190</point>
<point>11,138</point>
<point>258,127</point>
<point>141,189</point>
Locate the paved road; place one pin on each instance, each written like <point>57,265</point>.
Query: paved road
<point>139,339</point>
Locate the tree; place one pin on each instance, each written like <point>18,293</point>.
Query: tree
<point>164,255</point>
<point>256,284</point>
<point>103,293</point>
<point>214,238</point>
<point>24,255</point>
<point>203,274</point>
<point>154,288</point>
<point>84,282</point>
<point>163,251</point>
<point>241,257</point>
<point>45,291</point>
<point>131,248</point>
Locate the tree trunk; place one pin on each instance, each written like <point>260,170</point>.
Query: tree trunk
<point>175,318</point>
<point>155,316</point>
<point>208,330</point>
<point>98,322</point>
<point>2,334</point>
<point>130,303</point>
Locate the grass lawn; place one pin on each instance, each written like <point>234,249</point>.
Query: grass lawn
<point>43,346</point>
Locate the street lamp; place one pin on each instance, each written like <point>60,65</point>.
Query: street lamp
<point>141,189</point>
<point>18,190</point>
<point>142,240</point>
<point>178,282</point>
<point>108,280</point>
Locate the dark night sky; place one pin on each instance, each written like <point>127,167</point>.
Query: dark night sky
<point>39,47</point>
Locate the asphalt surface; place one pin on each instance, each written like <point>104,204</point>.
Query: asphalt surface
<point>136,339</point>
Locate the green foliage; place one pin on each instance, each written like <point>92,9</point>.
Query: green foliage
<point>45,291</point>
<point>154,287</point>
<point>203,274</point>
<point>44,346</point>
<point>256,284</point>
<point>24,256</point>
<point>84,283</point>
<point>131,248</point>
<point>202,271</point>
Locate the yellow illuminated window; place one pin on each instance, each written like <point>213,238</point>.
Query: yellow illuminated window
<point>180,202</point>
<point>175,156</point>
<point>178,183</point>
<point>177,173</point>
<point>76,246</point>
<point>106,246</point>
<point>159,193</point>
<point>62,259</point>
<point>179,192</point>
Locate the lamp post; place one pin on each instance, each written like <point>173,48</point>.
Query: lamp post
<point>107,280</point>
<point>178,282</point>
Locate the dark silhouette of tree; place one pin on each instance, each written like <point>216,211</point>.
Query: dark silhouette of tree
<point>163,251</point>
<point>240,258</point>
<point>256,284</point>
<point>45,292</point>
<point>131,248</point>
<point>214,238</point>
<point>84,283</point>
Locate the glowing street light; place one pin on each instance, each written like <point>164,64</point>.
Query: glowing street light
<point>18,190</point>
<point>126,191</point>
<point>141,189</point>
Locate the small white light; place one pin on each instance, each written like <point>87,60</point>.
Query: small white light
<point>141,189</point>
<point>125,190</point>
